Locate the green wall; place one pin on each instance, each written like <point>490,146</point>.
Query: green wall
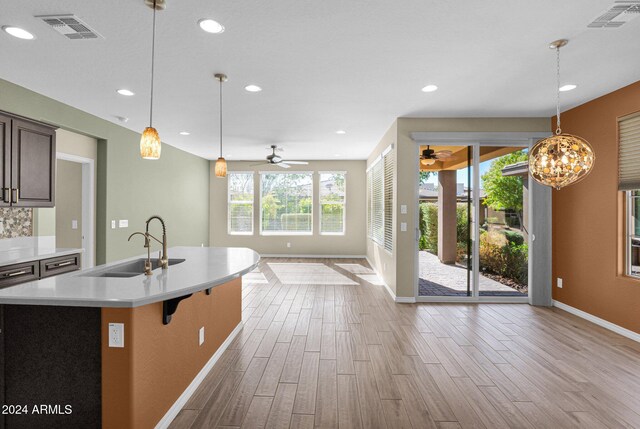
<point>175,187</point>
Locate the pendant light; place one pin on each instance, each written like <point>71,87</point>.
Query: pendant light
<point>150,144</point>
<point>221,163</point>
<point>561,159</point>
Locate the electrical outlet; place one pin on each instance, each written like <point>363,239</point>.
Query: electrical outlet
<point>403,209</point>
<point>559,283</point>
<point>403,226</point>
<point>201,336</point>
<point>74,224</point>
<point>113,224</point>
<point>116,335</point>
<point>288,244</point>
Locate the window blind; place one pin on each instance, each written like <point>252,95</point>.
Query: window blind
<point>629,153</point>
<point>369,233</point>
<point>377,203</point>
<point>240,203</point>
<point>332,194</point>
<point>389,162</point>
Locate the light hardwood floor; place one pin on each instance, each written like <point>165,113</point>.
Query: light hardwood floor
<point>347,356</point>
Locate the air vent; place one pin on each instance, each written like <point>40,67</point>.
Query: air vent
<point>617,15</point>
<point>70,26</point>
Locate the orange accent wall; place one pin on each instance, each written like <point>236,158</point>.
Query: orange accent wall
<point>141,381</point>
<point>587,218</point>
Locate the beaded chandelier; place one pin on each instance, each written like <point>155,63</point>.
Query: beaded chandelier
<point>562,159</point>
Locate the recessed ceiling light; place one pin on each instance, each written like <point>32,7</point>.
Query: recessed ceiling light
<point>184,133</point>
<point>253,88</point>
<point>336,154</point>
<point>126,92</point>
<point>430,88</point>
<point>18,32</point>
<point>567,87</point>
<point>211,26</point>
<point>341,132</point>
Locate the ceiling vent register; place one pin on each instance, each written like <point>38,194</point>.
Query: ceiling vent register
<point>70,26</point>
<point>617,15</point>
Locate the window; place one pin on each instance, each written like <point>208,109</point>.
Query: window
<point>286,203</point>
<point>380,200</point>
<point>633,242</point>
<point>240,203</point>
<point>332,199</point>
<point>629,182</point>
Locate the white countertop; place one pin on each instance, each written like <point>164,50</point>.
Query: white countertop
<point>203,268</point>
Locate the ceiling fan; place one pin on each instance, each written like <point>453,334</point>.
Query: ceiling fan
<point>430,156</point>
<point>274,159</point>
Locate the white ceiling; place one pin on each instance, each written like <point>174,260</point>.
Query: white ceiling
<point>323,65</point>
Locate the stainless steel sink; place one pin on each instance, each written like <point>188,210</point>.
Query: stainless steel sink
<point>129,269</point>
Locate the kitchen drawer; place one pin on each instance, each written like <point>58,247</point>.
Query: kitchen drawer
<point>61,264</point>
<point>19,273</point>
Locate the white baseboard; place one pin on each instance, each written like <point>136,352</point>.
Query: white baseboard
<point>398,299</point>
<point>598,321</point>
<point>292,255</point>
<point>182,400</point>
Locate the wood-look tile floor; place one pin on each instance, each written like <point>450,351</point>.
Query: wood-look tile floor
<point>347,356</point>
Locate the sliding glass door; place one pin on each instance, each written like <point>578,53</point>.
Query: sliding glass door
<point>473,231</point>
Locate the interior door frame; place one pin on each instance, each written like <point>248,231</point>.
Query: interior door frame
<point>476,140</point>
<point>88,206</point>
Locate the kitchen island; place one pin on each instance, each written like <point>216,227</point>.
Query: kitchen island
<point>111,347</point>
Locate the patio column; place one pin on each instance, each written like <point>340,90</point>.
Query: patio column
<point>447,216</point>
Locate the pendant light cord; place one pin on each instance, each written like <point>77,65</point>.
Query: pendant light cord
<point>220,117</point>
<point>558,130</point>
<point>153,57</point>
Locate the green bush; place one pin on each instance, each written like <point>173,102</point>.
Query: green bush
<point>514,237</point>
<point>429,227</point>
<point>503,257</point>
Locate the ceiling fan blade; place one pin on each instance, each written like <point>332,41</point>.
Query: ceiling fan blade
<point>283,165</point>
<point>297,162</point>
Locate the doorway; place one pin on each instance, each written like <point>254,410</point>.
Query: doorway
<point>473,239</point>
<point>75,205</point>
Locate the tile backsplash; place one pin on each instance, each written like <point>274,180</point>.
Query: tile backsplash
<point>15,222</point>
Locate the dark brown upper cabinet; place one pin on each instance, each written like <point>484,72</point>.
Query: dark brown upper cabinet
<point>27,163</point>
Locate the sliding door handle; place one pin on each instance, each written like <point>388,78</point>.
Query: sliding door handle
<point>6,195</point>
<point>15,192</point>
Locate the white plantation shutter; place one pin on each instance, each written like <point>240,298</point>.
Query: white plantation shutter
<point>380,199</point>
<point>629,153</point>
<point>389,162</point>
<point>377,203</point>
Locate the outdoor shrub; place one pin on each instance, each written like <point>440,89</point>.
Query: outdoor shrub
<point>296,221</point>
<point>429,226</point>
<point>514,237</point>
<point>462,232</point>
<point>498,256</point>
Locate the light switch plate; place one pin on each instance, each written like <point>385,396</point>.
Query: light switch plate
<point>201,336</point>
<point>123,223</point>
<point>403,226</point>
<point>113,224</point>
<point>559,283</point>
<point>74,224</point>
<point>116,335</point>
<point>403,209</point>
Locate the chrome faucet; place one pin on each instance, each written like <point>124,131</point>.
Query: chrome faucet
<point>147,245</point>
<point>163,259</point>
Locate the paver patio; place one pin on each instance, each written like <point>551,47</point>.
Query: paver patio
<point>438,279</point>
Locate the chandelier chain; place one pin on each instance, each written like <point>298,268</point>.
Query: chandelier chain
<point>558,130</point>
<point>153,57</point>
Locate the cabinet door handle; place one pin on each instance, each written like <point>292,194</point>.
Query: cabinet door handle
<point>17,194</point>
<point>16,273</point>
<point>62,264</point>
<point>6,195</point>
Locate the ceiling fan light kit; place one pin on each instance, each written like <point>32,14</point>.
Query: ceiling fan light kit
<point>430,156</point>
<point>562,159</point>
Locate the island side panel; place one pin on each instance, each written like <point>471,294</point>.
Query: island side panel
<point>158,362</point>
<point>52,365</point>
